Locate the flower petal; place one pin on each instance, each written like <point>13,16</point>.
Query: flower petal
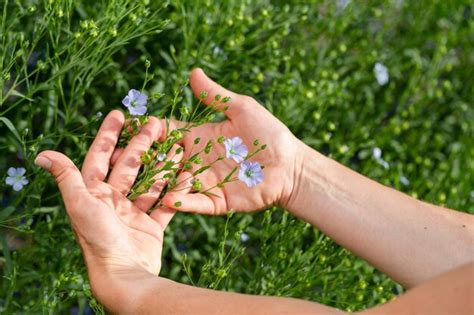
<point>10,181</point>
<point>133,94</point>
<point>17,186</point>
<point>126,101</point>
<point>141,99</point>
<point>11,171</point>
<point>138,110</point>
<point>20,171</point>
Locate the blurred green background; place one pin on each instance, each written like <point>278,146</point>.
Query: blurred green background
<point>311,63</point>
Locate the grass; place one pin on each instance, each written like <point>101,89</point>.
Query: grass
<point>311,64</point>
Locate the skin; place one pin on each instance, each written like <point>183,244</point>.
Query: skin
<point>419,245</point>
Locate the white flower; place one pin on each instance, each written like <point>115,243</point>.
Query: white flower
<point>244,237</point>
<point>377,153</point>
<point>342,4</point>
<point>405,181</point>
<point>16,178</point>
<point>381,73</point>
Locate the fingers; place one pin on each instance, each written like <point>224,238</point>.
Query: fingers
<point>128,163</point>
<point>196,203</point>
<point>200,82</point>
<point>117,153</point>
<point>171,125</point>
<point>68,177</point>
<point>163,215</point>
<point>148,199</point>
<point>96,163</point>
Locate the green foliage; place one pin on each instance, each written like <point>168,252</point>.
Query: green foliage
<point>311,64</point>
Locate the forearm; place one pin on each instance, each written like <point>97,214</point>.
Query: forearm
<point>168,297</point>
<point>409,240</point>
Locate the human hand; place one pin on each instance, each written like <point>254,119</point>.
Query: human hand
<point>120,242</point>
<point>248,120</point>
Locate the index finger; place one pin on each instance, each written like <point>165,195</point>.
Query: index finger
<point>97,161</point>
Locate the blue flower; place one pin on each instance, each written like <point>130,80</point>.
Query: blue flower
<point>135,102</point>
<point>251,173</point>
<point>235,149</point>
<point>161,157</point>
<point>16,178</point>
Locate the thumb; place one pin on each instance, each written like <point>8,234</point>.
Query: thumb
<point>200,82</point>
<point>68,177</point>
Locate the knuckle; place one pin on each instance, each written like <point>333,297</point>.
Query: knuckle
<point>64,173</point>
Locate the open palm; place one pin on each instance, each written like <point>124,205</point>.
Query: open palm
<point>248,120</point>
<point>118,238</point>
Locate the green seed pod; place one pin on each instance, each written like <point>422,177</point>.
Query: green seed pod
<point>178,204</point>
<point>203,95</point>
<point>146,158</point>
<point>197,140</point>
<point>221,139</point>
<point>197,185</point>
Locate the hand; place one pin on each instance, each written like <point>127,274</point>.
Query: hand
<point>248,120</point>
<point>120,242</point>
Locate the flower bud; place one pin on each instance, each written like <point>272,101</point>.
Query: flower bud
<point>203,95</point>
<point>145,158</point>
<point>197,185</point>
<point>226,99</point>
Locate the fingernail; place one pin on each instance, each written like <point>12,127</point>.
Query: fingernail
<point>43,162</point>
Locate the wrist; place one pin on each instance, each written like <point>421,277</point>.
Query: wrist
<point>306,174</point>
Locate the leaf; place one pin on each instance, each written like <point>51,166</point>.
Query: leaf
<point>202,169</point>
<point>5,213</point>
<point>10,126</point>
<point>16,93</point>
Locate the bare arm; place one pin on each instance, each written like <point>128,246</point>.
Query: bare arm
<point>449,293</point>
<point>407,239</point>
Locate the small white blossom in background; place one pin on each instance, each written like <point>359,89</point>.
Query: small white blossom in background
<point>398,3</point>
<point>342,4</point>
<point>244,237</point>
<point>405,181</point>
<point>381,73</point>
<point>377,154</point>
<point>16,178</point>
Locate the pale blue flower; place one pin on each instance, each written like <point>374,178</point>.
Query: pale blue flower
<point>244,237</point>
<point>381,73</point>
<point>251,173</point>
<point>135,102</point>
<point>161,157</point>
<point>16,178</point>
<point>235,149</point>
